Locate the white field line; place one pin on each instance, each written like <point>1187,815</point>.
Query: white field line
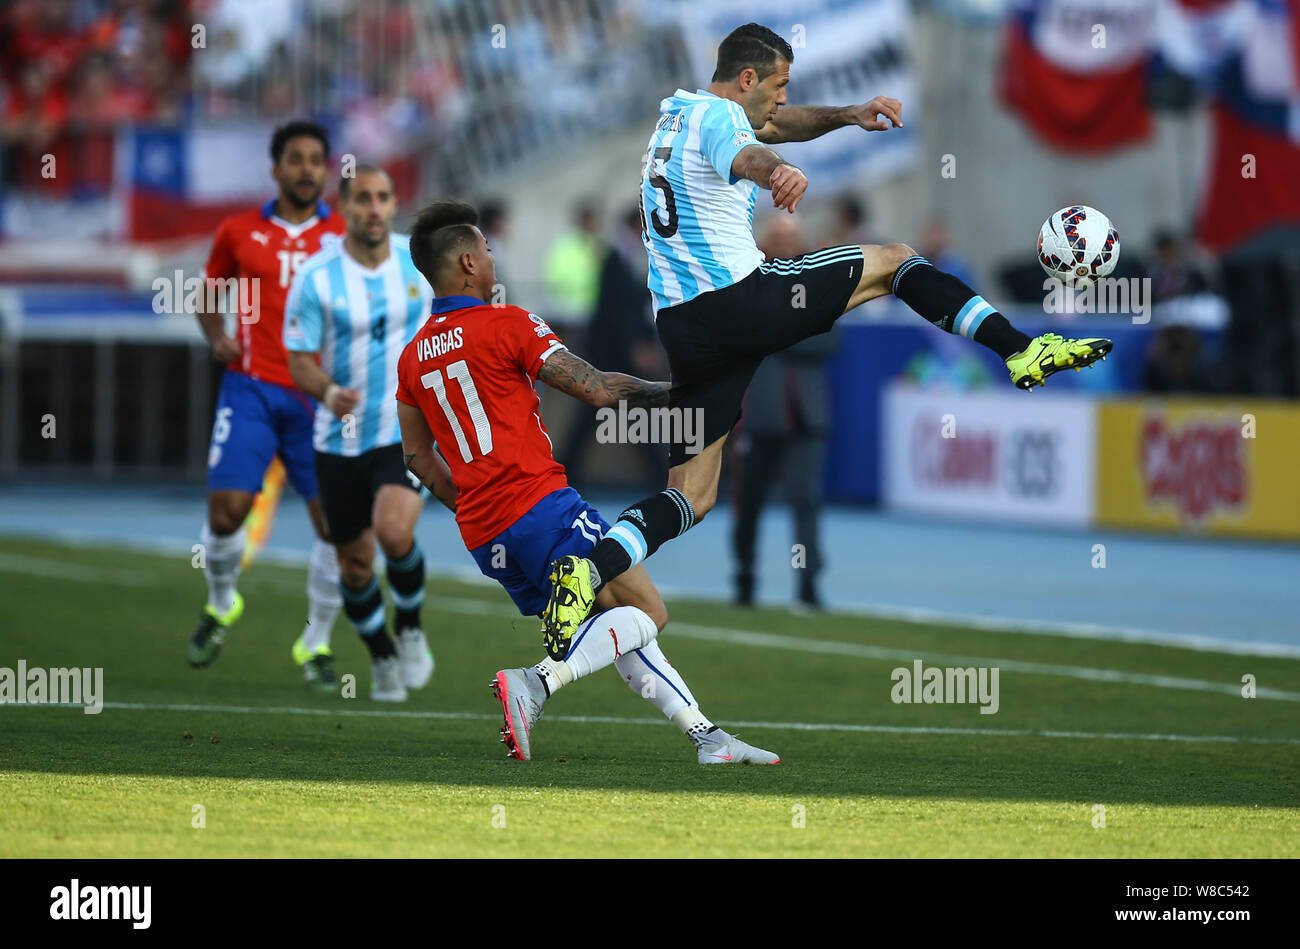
<point>60,570</point>
<point>292,557</point>
<point>742,637</point>
<point>617,720</point>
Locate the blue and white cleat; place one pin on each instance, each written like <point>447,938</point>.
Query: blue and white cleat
<point>521,693</point>
<point>722,748</point>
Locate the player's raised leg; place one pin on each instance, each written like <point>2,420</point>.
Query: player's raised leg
<point>639,531</point>
<point>955,308</point>
<point>397,508</point>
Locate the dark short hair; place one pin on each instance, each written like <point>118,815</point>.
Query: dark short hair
<point>751,46</point>
<point>345,181</point>
<point>294,129</point>
<point>442,229</point>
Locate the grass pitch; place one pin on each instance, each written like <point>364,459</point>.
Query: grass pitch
<point>1159,737</point>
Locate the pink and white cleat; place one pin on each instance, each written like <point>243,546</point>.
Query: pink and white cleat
<point>521,701</point>
<point>722,748</point>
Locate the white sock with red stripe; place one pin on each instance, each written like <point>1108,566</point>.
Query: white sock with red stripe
<point>599,641</point>
<point>648,673</point>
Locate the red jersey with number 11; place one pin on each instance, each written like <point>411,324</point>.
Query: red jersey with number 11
<point>471,371</point>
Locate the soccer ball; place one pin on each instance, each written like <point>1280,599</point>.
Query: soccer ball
<point>1078,245</point>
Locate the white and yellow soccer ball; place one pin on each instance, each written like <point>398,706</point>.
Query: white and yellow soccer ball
<point>1078,246</point>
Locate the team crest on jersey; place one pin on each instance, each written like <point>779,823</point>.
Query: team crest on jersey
<point>541,329</point>
<point>413,291</point>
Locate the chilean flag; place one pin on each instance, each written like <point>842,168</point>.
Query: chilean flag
<point>1075,71</point>
<point>183,181</point>
<point>1253,71</point>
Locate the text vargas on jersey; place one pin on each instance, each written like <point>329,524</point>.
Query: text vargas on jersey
<point>433,346</point>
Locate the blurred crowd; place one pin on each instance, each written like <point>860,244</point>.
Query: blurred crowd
<point>454,81</point>
<point>73,70</point>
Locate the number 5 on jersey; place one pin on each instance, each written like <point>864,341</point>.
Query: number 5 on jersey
<point>482,429</point>
<point>663,228</point>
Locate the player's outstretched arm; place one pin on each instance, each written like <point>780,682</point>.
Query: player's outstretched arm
<point>802,123</point>
<point>575,376</point>
<point>421,454</point>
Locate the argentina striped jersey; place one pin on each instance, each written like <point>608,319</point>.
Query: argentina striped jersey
<point>359,320</point>
<point>699,220</point>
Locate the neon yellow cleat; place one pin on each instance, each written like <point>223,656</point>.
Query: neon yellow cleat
<point>210,633</point>
<point>317,667</point>
<point>570,602</point>
<point>1050,353</point>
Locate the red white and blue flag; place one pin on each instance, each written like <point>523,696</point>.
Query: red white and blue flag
<point>1247,53</point>
<point>1075,71</point>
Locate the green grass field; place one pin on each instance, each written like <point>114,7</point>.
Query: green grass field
<point>281,772</point>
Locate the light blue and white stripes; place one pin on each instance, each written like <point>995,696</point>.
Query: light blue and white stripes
<point>970,316</point>
<point>630,539</point>
<point>358,320</point>
<point>914,261</point>
<point>821,258</point>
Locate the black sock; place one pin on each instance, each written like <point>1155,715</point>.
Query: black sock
<point>639,532</point>
<point>954,307</point>
<point>365,608</point>
<point>406,586</point>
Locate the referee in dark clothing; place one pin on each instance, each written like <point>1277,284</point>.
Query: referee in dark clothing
<point>783,438</point>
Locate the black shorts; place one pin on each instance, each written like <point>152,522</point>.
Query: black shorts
<point>715,341</point>
<point>348,486</point>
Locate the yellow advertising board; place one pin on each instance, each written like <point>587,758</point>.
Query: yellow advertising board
<point>1214,466</point>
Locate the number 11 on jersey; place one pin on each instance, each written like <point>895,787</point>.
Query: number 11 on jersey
<point>459,371</point>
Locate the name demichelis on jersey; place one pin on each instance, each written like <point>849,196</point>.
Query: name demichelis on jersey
<point>699,219</point>
<point>359,320</point>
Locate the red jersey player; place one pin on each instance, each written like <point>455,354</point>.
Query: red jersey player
<point>260,413</point>
<point>465,393</point>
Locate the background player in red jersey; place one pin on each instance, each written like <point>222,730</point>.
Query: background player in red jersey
<point>260,413</point>
<point>465,389</point>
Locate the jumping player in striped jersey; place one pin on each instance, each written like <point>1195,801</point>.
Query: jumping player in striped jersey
<point>466,394</point>
<point>357,304</point>
<point>720,308</point>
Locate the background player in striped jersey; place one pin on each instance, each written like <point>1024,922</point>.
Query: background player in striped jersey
<point>260,414</point>
<point>466,385</point>
<point>720,308</point>
<point>357,304</point>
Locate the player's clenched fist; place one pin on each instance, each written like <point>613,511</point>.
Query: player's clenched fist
<point>226,349</point>
<point>339,400</point>
<point>788,185</point>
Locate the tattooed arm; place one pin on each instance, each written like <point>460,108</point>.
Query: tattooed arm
<point>576,377</point>
<point>421,455</point>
